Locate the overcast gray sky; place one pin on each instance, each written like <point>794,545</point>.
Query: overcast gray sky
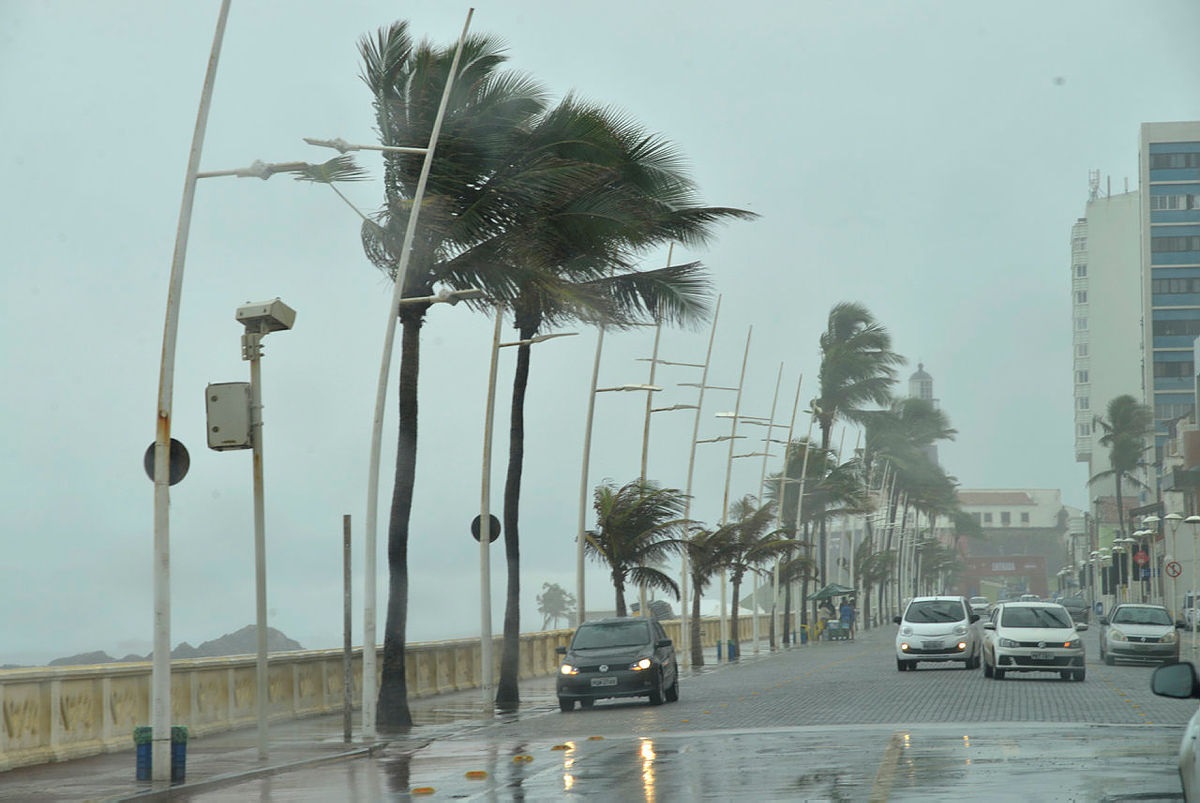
<point>924,158</point>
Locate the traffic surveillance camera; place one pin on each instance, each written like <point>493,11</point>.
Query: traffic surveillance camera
<point>266,316</point>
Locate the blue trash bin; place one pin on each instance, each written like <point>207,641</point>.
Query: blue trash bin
<point>142,736</point>
<point>179,740</point>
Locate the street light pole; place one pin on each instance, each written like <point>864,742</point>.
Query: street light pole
<point>1194,521</point>
<point>737,406</point>
<point>160,683</point>
<point>685,614</point>
<point>485,509</point>
<point>1173,519</point>
<point>581,530</point>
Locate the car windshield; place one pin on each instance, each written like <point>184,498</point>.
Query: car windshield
<point>936,610</point>
<point>1014,616</point>
<point>616,634</point>
<point>979,600</point>
<point>1141,616</point>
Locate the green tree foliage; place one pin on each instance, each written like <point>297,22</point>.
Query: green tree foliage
<point>638,526</point>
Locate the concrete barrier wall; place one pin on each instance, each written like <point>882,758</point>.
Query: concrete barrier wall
<point>59,713</point>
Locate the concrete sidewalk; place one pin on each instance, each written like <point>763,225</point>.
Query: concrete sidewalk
<point>233,755</point>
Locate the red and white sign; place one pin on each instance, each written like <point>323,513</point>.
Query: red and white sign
<point>1174,569</point>
<point>1141,558</point>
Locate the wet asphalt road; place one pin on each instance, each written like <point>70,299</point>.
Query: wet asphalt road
<point>831,721</point>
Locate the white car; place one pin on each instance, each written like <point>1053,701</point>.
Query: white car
<point>1033,637</point>
<point>937,629</point>
<point>979,605</point>
<point>1180,681</point>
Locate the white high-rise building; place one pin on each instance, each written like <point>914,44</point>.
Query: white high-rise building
<point>1106,289</point>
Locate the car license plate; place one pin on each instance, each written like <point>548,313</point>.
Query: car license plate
<point>1040,656</point>
<point>931,645</point>
<point>604,681</point>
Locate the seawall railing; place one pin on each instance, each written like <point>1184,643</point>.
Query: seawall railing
<point>64,712</point>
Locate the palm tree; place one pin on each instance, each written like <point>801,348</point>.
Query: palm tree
<point>1127,428</point>
<point>576,247</point>
<point>749,546</point>
<point>706,558</point>
<point>857,369</point>
<point>511,188</point>
<point>473,184</point>
<point>637,526</point>
<point>555,603</point>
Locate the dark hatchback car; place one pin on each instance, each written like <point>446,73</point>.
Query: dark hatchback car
<point>1078,608</point>
<point>623,657</point>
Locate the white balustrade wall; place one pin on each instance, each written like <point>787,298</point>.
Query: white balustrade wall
<point>60,713</point>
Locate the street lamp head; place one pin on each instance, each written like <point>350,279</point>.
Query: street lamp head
<point>1173,517</point>
<point>452,297</point>
<point>1151,519</point>
<point>1192,519</point>
<point>649,388</point>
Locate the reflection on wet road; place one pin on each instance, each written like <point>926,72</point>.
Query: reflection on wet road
<point>1041,762</point>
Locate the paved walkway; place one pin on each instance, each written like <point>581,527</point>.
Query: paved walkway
<point>233,755</point>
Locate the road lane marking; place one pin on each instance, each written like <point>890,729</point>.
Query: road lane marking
<point>886,775</point>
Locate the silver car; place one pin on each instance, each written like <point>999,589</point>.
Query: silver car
<point>1136,632</point>
<point>1033,637</point>
<point>937,629</point>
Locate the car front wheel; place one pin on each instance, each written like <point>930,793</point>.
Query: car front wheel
<point>565,705</point>
<point>656,694</point>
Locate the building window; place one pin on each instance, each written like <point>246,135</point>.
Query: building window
<point>1079,243</point>
<point>1174,370</point>
<point>1083,403</point>
<point>1081,349</point>
<point>1024,518</point>
<point>1005,519</point>
<point>1081,296</point>
<point>1081,271</point>
<point>1084,430</point>
<point>1164,286</point>
<point>1081,377</point>
<point>977,518</point>
<point>1176,328</point>
<point>1170,244</point>
<point>1167,203</point>
<point>1174,161</point>
<point>987,518</point>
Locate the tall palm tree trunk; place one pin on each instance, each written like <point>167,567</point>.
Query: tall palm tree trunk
<point>507,693</point>
<point>392,711</point>
<point>619,587</point>
<point>734,630</point>
<point>697,647</point>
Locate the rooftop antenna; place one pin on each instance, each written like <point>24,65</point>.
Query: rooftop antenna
<point>1093,184</point>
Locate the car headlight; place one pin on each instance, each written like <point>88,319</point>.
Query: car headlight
<point>1116,635</point>
<point>961,630</point>
<point>1073,644</point>
<point>904,646</point>
<point>1169,638</point>
<point>568,669</point>
<point>1007,642</point>
<point>644,663</point>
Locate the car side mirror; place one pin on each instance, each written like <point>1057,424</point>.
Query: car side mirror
<point>1081,627</point>
<point>974,618</point>
<point>897,619</point>
<point>989,625</point>
<point>1175,680</point>
<point>1180,624</point>
<point>560,650</point>
<point>1104,621</point>
<point>663,642</point>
